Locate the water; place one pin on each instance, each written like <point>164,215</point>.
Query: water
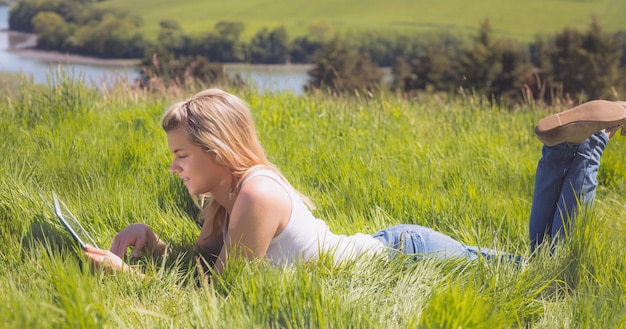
<point>42,70</point>
<point>280,78</point>
<point>265,78</point>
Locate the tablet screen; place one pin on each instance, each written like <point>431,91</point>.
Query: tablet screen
<point>72,224</point>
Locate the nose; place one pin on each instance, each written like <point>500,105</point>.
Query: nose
<point>174,168</point>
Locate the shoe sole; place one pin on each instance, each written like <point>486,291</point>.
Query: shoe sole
<point>577,124</point>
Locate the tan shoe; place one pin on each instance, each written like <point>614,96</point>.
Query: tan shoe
<point>578,123</point>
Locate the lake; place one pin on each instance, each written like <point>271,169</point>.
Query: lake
<point>276,78</point>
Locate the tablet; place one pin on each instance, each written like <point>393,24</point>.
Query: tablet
<point>71,224</point>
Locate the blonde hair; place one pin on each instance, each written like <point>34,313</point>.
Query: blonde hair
<point>221,123</point>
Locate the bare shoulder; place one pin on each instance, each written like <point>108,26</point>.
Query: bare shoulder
<point>262,204</point>
<point>263,189</point>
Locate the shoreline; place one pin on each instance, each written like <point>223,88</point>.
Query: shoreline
<point>25,49</point>
<point>268,67</point>
<point>67,58</point>
<point>61,58</point>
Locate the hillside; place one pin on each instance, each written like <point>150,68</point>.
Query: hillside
<point>517,19</point>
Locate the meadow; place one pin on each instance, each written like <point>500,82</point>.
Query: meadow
<point>521,20</point>
<point>457,164</point>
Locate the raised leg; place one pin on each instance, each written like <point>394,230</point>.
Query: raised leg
<point>566,174</point>
<point>551,171</point>
<point>579,185</point>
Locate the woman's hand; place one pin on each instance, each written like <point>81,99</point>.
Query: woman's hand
<point>105,259</point>
<point>139,236</point>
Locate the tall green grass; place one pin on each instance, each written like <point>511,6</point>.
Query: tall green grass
<point>515,19</point>
<point>458,165</point>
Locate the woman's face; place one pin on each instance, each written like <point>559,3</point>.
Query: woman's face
<point>198,169</point>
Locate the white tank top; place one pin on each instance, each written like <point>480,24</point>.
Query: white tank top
<point>306,237</point>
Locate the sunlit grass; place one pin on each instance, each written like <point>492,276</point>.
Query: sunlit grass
<point>458,165</point>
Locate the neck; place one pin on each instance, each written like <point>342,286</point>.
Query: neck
<point>225,196</point>
<point>227,201</point>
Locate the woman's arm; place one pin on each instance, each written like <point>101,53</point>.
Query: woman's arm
<point>139,236</point>
<point>261,212</point>
<point>209,244</point>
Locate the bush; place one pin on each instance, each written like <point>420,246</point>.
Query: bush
<point>585,64</point>
<point>270,47</point>
<point>494,68</point>
<point>431,71</point>
<point>166,69</point>
<point>303,50</point>
<point>340,70</point>
<point>491,67</point>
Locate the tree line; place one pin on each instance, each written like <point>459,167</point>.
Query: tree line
<point>578,64</point>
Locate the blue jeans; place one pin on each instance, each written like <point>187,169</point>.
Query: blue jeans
<point>565,180</point>
<point>422,242</point>
<point>566,174</point>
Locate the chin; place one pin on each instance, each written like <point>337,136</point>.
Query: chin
<point>193,191</point>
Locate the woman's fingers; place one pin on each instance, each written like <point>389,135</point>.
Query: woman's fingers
<point>95,257</point>
<point>115,246</point>
<point>138,247</point>
<point>104,258</point>
<point>96,251</point>
<point>118,247</point>
<point>135,235</point>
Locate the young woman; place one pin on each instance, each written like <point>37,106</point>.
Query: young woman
<point>254,212</point>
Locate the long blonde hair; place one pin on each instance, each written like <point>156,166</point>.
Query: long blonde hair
<point>221,123</point>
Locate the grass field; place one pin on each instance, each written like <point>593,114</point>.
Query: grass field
<point>516,19</point>
<point>455,164</point>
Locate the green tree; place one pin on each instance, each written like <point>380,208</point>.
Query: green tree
<point>72,11</point>
<point>494,68</point>
<point>111,36</point>
<point>222,45</point>
<point>583,65</point>
<point>516,72</point>
<point>77,26</point>
<point>621,37</point>
<point>337,69</point>
<point>478,65</point>
<point>378,47</point>
<point>384,48</point>
<point>603,52</point>
<point>431,71</point>
<point>402,75</point>
<point>230,31</point>
<point>270,47</point>
<point>303,49</point>
<point>22,13</point>
<point>124,40</point>
<point>52,30</point>
<point>172,36</point>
